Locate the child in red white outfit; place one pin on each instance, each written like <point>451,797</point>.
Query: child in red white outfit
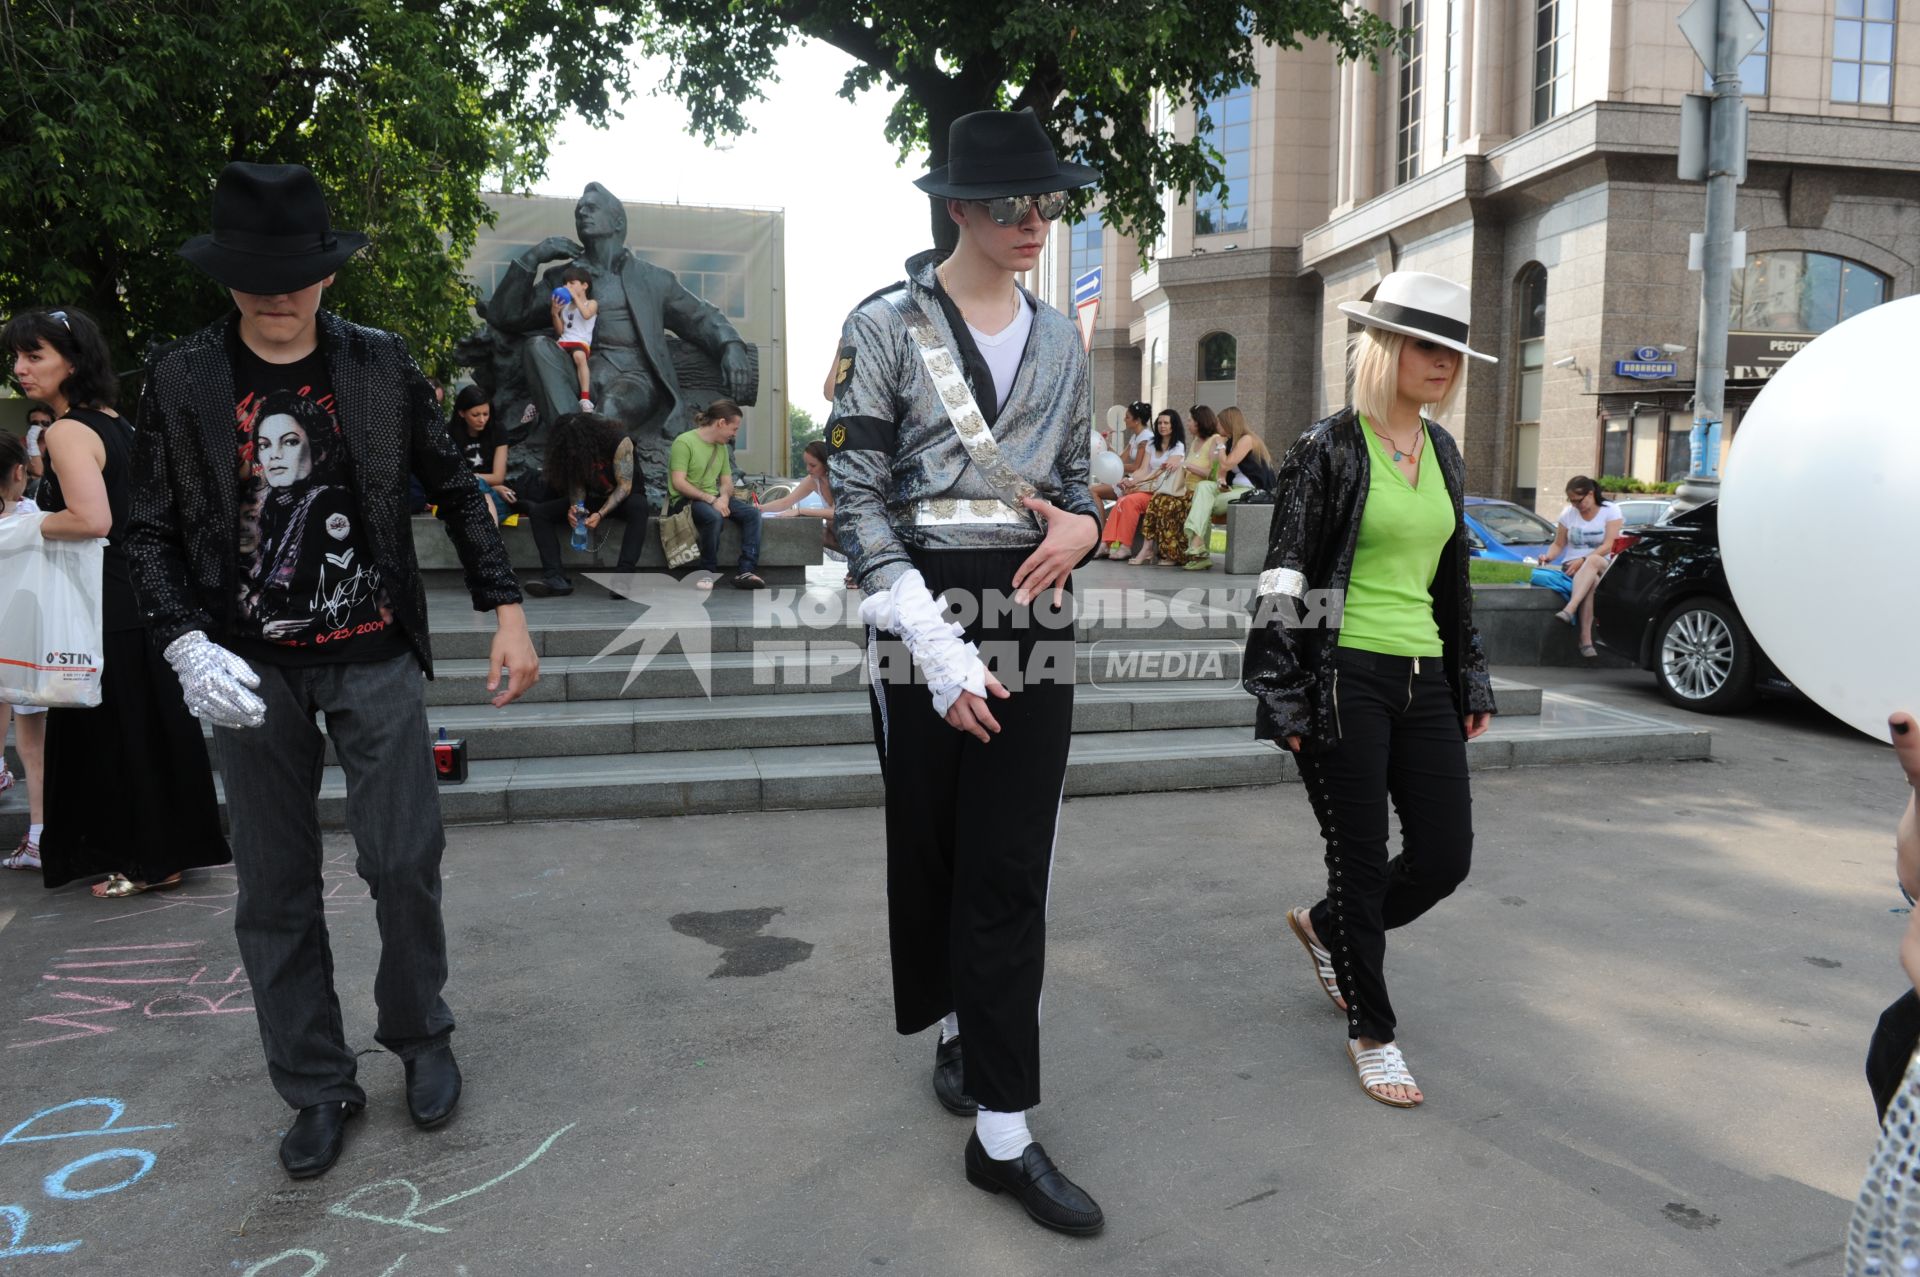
<point>573,318</point>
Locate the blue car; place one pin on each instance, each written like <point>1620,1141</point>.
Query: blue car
<point>1506,532</point>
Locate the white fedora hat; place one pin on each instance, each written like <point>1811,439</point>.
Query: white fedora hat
<point>1419,305</point>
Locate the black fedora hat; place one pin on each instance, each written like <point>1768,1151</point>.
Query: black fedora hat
<point>271,233</point>
<point>995,153</point>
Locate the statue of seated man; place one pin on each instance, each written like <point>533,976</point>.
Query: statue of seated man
<point>630,368</point>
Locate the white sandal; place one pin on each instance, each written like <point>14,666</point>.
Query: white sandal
<point>25,856</point>
<point>1322,959</point>
<point>6,778</point>
<point>1382,1066</point>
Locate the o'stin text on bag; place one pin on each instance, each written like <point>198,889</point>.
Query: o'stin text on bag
<point>69,658</point>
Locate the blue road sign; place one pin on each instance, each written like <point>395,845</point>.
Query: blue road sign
<point>1087,288</point>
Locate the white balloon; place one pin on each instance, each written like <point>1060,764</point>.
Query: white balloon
<point>1816,518</point>
<point>1108,468</point>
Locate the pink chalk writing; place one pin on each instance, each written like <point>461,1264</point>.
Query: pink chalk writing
<point>100,988</point>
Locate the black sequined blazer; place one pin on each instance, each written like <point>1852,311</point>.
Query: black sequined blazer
<point>1316,524</point>
<point>183,535</point>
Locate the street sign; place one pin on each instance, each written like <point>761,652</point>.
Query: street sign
<point>1701,20</point>
<point>1085,313</point>
<point>1086,288</point>
<point>1645,369</point>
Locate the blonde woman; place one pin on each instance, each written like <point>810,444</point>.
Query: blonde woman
<point>1376,698</point>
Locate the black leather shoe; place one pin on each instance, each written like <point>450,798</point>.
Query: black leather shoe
<point>313,1142</point>
<point>549,587</point>
<point>433,1086</point>
<point>949,1083</point>
<point>1053,1200</point>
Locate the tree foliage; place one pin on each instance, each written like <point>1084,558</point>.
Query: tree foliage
<point>1089,68</point>
<point>802,430</point>
<point>116,116</point>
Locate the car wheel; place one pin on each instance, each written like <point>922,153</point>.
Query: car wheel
<point>1703,657</point>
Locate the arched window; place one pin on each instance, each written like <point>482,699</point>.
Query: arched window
<point>1217,353</point>
<point>1795,292</point>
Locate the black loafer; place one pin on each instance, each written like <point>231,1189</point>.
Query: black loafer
<point>949,1082</point>
<point>433,1086</point>
<point>1053,1200</point>
<point>312,1144</point>
<point>548,589</point>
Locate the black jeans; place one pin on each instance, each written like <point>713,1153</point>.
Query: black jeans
<point>377,720</point>
<point>548,514</point>
<point>1401,738</point>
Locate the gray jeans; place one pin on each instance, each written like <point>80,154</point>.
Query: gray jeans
<point>377,720</point>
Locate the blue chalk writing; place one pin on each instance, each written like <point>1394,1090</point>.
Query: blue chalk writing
<point>19,1217</point>
<point>316,1264</point>
<point>115,1111</point>
<point>55,1185</point>
<point>409,1218</point>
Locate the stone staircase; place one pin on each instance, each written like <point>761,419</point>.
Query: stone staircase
<point>783,722</point>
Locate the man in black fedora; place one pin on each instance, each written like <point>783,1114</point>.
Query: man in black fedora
<point>960,431</point>
<point>274,557</point>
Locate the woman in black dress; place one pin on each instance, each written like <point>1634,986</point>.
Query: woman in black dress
<point>129,792</point>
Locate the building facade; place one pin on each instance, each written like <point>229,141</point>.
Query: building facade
<point>1529,147</point>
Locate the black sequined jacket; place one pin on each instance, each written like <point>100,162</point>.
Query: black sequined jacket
<point>1316,523</point>
<point>183,536</point>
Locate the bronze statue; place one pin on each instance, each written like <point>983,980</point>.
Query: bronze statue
<point>639,375</point>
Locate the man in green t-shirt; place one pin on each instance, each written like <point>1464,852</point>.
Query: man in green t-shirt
<point>700,470</point>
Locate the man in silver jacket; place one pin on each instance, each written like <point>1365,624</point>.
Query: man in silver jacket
<point>960,434</point>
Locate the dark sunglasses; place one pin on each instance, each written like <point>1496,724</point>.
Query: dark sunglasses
<point>1011,210</point>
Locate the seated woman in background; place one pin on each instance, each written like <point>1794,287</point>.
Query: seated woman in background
<point>1586,532</point>
<point>484,445</point>
<point>1160,456</point>
<point>1245,466</point>
<point>1131,453</point>
<point>811,498</point>
<point>1166,516</point>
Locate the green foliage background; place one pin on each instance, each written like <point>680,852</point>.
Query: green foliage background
<point>116,115</point>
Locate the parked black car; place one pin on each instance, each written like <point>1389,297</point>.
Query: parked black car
<point>1665,606</point>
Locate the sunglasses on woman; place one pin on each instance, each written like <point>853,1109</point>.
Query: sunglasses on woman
<point>1011,210</point>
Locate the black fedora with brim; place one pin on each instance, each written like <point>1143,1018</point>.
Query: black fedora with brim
<point>995,153</point>
<point>271,233</point>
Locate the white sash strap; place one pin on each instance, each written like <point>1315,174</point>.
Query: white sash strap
<point>968,423</point>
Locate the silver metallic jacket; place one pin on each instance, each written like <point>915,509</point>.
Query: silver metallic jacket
<point>897,463</point>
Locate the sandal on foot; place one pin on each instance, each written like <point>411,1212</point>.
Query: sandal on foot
<point>1565,618</point>
<point>748,581</point>
<point>119,887</point>
<point>6,778</point>
<point>25,856</point>
<point>1322,959</point>
<point>1589,650</point>
<point>1382,1067</point>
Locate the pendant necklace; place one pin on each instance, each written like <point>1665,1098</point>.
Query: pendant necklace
<point>1397,454</point>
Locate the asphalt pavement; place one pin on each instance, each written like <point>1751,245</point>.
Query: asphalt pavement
<point>1639,1026</point>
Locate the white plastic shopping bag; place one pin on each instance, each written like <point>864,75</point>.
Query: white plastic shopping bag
<point>49,616</point>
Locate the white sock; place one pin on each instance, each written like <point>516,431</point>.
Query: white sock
<point>1003,1135</point>
<point>950,1027</point>
<point>33,834</point>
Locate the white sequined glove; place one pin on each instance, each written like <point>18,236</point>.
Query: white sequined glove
<point>217,683</point>
<point>950,664</point>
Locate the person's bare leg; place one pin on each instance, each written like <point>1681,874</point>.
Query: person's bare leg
<point>30,736</point>
<point>580,366</point>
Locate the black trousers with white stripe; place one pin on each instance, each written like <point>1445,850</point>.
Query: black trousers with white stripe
<point>1400,740</point>
<point>971,826</point>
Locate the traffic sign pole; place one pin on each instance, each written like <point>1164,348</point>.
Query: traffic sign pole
<point>1722,33</point>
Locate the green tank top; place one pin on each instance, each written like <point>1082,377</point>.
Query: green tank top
<point>1403,531</point>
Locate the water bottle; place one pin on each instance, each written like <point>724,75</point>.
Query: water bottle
<point>581,532</point>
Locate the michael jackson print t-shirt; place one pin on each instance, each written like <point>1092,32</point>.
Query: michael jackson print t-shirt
<point>308,591</point>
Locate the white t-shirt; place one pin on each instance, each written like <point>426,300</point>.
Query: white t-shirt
<point>1002,351</point>
<point>574,326</point>
<point>25,505</point>
<point>1584,536</point>
<point>1157,458</point>
<point>33,439</point>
